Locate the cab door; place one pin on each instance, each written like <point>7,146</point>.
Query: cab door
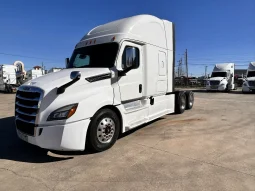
<point>130,77</point>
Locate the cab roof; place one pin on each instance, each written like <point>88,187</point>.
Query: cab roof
<point>251,66</point>
<point>143,28</point>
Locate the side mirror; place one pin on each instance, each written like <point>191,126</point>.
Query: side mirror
<point>75,75</point>
<point>130,57</point>
<point>67,62</point>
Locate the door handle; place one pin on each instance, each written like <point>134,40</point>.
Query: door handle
<point>140,88</point>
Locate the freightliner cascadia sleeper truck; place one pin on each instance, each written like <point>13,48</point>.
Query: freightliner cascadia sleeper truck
<point>120,76</point>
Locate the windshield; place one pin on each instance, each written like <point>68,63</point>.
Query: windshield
<point>97,56</point>
<point>219,74</point>
<point>251,74</point>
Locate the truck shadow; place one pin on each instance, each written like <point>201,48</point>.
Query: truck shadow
<point>12,148</point>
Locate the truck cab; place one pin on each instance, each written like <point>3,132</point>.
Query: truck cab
<point>120,75</point>
<point>249,81</point>
<point>222,78</point>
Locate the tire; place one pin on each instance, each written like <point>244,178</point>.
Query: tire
<point>8,89</point>
<point>103,130</point>
<point>180,102</point>
<point>227,90</point>
<point>236,86</point>
<point>189,99</point>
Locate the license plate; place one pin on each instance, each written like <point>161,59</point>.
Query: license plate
<point>214,87</point>
<point>23,136</point>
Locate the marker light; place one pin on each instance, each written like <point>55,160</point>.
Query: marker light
<point>113,38</point>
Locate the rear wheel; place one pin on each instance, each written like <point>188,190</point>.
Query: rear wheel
<point>180,102</point>
<point>8,88</point>
<point>103,130</point>
<point>189,99</point>
<point>226,89</point>
<point>236,85</point>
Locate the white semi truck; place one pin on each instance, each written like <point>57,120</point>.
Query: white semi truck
<point>36,72</point>
<point>222,78</point>
<point>12,76</point>
<point>120,76</point>
<point>249,81</point>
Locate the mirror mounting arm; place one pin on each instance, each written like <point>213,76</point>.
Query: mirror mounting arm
<point>75,76</point>
<point>123,72</point>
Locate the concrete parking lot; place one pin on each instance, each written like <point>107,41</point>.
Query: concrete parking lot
<point>210,147</point>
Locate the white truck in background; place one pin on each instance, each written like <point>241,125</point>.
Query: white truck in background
<point>12,76</point>
<point>249,81</point>
<point>120,76</point>
<point>36,72</point>
<point>222,78</point>
<point>55,70</point>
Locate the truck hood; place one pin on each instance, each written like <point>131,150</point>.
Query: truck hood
<point>216,78</point>
<point>57,79</point>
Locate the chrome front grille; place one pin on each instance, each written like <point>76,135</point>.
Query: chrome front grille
<point>26,108</point>
<point>251,83</point>
<point>214,82</point>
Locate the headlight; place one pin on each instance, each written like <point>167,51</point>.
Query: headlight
<point>208,82</point>
<point>244,84</point>
<point>63,112</point>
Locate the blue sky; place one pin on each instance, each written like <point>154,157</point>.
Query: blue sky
<point>212,31</point>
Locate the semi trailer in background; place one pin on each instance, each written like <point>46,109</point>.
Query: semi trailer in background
<point>12,76</point>
<point>120,76</point>
<point>249,81</point>
<point>222,78</point>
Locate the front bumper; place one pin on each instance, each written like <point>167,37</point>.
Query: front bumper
<point>248,88</point>
<point>68,137</point>
<point>216,88</point>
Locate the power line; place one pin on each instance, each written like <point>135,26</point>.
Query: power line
<point>28,57</point>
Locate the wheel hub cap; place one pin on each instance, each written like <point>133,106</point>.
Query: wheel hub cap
<point>105,130</point>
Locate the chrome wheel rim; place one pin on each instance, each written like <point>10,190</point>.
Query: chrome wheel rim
<point>105,130</point>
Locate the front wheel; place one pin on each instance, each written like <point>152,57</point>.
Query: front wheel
<point>103,130</point>
<point>227,89</point>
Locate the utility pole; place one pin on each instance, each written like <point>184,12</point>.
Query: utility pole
<point>186,63</point>
<point>180,66</point>
<point>178,69</point>
<point>205,71</point>
<point>42,68</point>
